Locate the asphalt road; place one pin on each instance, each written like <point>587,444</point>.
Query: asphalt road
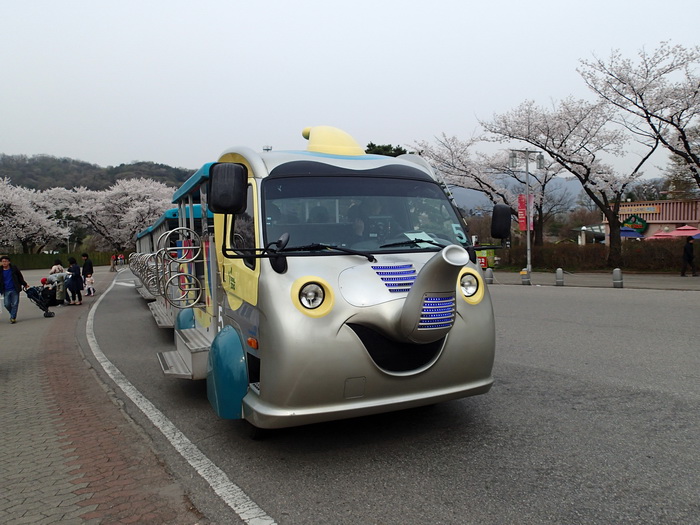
<point>593,419</point>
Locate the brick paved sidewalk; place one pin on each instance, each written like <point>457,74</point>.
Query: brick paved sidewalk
<point>68,453</point>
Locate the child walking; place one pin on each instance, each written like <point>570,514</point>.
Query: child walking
<point>89,285</point>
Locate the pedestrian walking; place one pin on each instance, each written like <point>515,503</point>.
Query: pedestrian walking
<point>688,258</point>
<point>75,282</point>
<point>87,266</point>
<point>11,284</point>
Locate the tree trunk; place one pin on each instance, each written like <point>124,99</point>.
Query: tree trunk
<point>615,248</point>
<point>538,230</point>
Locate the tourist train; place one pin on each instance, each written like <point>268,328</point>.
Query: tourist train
<point>320,284</point>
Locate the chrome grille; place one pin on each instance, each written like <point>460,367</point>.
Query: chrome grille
<point>397,278</point>
<point>437,313</point>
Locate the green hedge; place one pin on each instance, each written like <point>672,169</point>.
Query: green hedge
<point>663,255</point>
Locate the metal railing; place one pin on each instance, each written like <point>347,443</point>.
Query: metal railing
<point>162,272</point>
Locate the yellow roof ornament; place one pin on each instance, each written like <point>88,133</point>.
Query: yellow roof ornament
<point>334,141</point>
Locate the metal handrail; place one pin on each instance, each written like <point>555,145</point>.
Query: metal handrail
<point>160,272</point>
<point>177,253</point>
<point>184,286</point>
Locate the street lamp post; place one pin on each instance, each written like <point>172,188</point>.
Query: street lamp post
<point>528,211</point>
<point>65,223</point>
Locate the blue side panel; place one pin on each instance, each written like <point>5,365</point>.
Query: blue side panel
<point>227,376</point>
<point>184,319</point>
<point>169,214</point>
<point>192,184</point>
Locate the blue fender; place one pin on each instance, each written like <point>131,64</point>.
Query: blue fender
<point>227,374</point>
<point>184,319</point>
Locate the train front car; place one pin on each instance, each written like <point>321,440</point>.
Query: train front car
<point>366,299</point>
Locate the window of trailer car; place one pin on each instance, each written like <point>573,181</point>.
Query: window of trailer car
<point>359,212</point>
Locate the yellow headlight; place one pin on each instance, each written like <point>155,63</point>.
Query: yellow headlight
<point>312,296</point>
<point>472,286</point>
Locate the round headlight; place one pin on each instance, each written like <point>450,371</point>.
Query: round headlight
<point>311,296</point>
<point>469,284</point>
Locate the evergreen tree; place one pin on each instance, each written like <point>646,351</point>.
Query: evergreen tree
<point>385,149</point>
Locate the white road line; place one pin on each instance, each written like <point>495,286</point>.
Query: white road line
<point>229,492</point>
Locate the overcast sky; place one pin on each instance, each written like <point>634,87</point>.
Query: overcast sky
<point>178,82</point>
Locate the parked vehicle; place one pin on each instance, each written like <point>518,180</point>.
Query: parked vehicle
<point>332,284</point>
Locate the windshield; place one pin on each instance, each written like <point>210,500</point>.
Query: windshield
<point>370,213</point>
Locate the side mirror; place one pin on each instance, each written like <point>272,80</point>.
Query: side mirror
<point>500,222</point>
<point>228,188</point>
<point>278,261</point>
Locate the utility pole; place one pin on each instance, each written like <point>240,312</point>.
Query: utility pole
<point>528,211</point>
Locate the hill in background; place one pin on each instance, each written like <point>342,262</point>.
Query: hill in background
<point>476,201</point>
<point>41,172</point>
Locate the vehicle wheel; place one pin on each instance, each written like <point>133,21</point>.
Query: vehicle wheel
<point>256,434</point>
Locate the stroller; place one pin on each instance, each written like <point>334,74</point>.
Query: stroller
<point>35,295</point>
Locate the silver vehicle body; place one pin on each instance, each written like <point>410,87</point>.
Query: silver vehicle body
<point>290,324</point>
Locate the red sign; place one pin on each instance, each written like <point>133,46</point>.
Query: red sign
<point>522,212</point>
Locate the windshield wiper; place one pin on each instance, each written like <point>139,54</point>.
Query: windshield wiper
<point>414,242</point>
<point>319,246</point>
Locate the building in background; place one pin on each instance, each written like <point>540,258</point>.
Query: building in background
<point>649,218</point>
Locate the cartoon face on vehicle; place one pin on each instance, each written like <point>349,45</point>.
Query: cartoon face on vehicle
<point>345,285</point>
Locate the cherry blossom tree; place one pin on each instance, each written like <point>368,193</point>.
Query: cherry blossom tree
<point>679,180</point>
<point>492,175</point>
<point>65,202</point>
<point>27,218</point>
<point>649,190</point>
<point>13,208</point>
<point>658,96</point>
<point>117,214</point>
<point>454,160</point>
<point>578,135</point>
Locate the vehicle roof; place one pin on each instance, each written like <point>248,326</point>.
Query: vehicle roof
<point>172,214</point>
<point>327,145</point>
